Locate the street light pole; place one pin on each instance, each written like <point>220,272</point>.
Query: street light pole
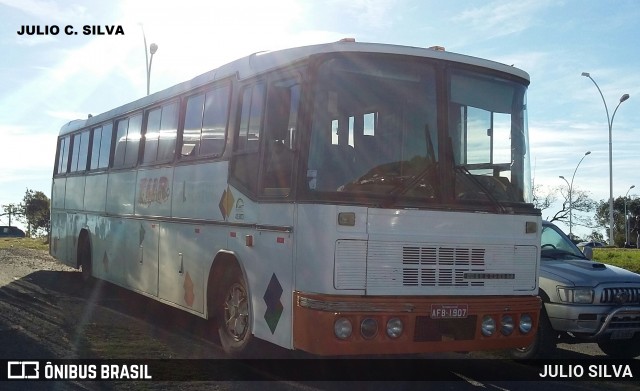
<point>610,123</point>
<point>565,179</point>
<point>626,218</point>
<point>153,48</point>
<point>571,194</point>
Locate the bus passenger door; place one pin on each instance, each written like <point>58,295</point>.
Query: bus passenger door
<point>262,166</point>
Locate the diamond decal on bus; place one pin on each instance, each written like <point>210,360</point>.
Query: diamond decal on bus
<point>226,203</point>
<point>274,306</point>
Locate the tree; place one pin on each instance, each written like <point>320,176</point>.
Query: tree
<point>570,212</point>
<point>10,210</point>
<point>602,217</point>
<point>35,210</point>
<point>541,200</point>
<point>580,202</point>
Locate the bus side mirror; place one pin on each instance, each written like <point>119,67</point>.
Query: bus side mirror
<point>588,252</point>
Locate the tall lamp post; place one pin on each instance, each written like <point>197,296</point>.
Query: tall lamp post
<point>626,218</point>
<point>153,48</point>
<point>571,192</point>
<point>610,123</point>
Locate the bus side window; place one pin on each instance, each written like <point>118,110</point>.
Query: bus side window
<point>245,164</point>
<point>151,136</point>
<point>80,151</point>
<point>105,145</point>
<point>214,122</point>
<point>192,126</point>
<point>205,124</point>
<point>160,134</point>
<point>127,142</point>
<point>280,129</point>
<point>95,147</point>
<point>101,147</point>
<point>63,154</point>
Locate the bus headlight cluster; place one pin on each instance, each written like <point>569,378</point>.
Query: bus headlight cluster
<point>526,323</point>
<point>507,325</point>
<point>488,326</point>
<point>343,328</point>
<point>368,328</point>
<point>394,327</point>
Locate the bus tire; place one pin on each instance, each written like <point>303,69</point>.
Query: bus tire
<point>234,315</point>
<point>84,260</point>
<point>544,343</point>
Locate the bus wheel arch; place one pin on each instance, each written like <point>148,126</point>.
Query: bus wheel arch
<point>229,305</point>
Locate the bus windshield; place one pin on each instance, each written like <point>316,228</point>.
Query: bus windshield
<point>376,134</point>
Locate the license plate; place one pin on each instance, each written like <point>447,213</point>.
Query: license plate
<point>447,311</point>
<point>622,334</point>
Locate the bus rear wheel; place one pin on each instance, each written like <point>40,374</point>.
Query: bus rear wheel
<point>85,261</point>
<point>234,316</point>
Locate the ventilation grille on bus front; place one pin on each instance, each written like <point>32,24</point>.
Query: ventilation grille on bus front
<point>441,266</point>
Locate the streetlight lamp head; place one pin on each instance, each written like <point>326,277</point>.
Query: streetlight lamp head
<point>632,186</point>
<point>153,48</point>
<point>561,177</point>
<point>586,74</point>
<point>624,97</point>
<point>587,153</point>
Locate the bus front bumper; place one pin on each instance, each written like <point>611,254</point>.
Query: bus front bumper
<point>354,325</point>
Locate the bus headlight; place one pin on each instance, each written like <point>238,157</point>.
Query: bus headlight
<point>488,326</point>
<point>368,328</point>
<point>394,327</point>
<point>526,323</point>
<point>342,328</point>
<point>506,325</point>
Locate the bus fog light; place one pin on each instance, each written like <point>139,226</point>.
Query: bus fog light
<point>369,328</point>
<point>342,328</point>
<point>488,326</point>
<point>507,325</point>
<point>394,327</point>
<point>526,323</point>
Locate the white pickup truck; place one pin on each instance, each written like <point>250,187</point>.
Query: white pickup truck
<point>584,301</point>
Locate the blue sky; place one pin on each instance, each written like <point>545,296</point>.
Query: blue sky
<point>47,80</point>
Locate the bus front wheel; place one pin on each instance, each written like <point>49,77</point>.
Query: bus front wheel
<point>234,316</point>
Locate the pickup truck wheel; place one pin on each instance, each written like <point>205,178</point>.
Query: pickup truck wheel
<point>544,343</point>
<point>621,348</point>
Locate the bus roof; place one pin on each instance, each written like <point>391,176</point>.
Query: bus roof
<point>260,62</point>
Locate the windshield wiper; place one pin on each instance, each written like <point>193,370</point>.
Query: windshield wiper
<point>405,187</point>
<point>485,191</point>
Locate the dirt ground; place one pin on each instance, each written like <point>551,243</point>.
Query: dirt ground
<point>47,313</point>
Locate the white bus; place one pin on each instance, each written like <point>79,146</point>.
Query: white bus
<point>343,198</point>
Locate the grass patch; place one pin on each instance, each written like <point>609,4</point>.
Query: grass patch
<point>626,258</point>
<point>32,243</point>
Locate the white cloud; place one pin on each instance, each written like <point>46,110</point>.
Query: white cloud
<point>499,18</point>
